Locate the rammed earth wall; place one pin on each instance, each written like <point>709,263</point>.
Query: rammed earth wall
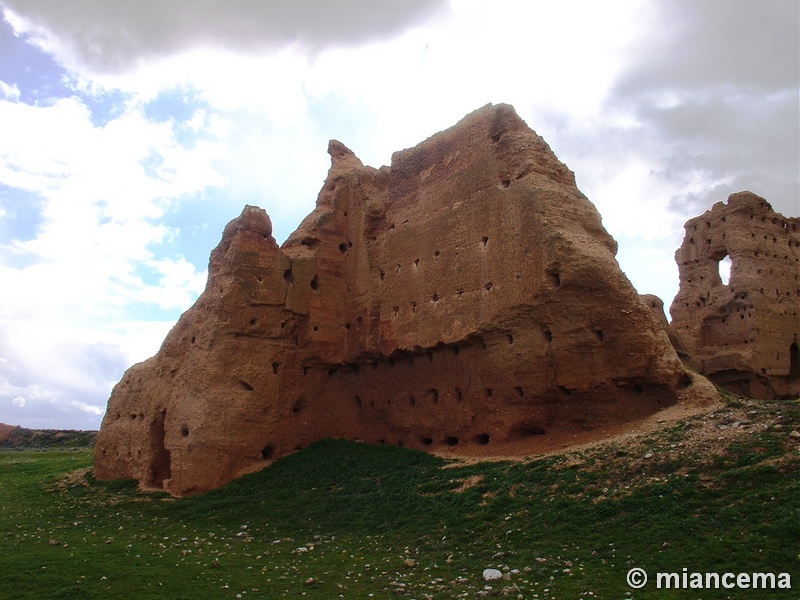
<point>742,334</point>
<point>465,299</point>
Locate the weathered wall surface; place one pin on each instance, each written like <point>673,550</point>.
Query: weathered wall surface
<point>464,298</point>
<point>744,334</point>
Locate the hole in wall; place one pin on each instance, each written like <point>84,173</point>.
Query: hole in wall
<point>519,392</point>
<point>434,394</point>
<point>505,183</point>
<point>425,441</point>
<point>482,439</point>
<point>342,247</point>
<point>288,276</point>
<point>185,431</point>
<point>310,242</point>
<point>357,400</point>
<point>510,338</point>
<point>267,452</point>
<point>253,321</point>
<point>548,335</point>
<point>599,334</point>
<point>299,405</point>
<point>459,395</point>
<point>315,283</point>
<point>451,440</point>
<point>194,339</point>
<point>489,392</point>
<point>484,240</point>
<point>245,386</point>
<point>412,400</point>
<point>275,367</point>
<point>528,428</point>
<point>554,277</point>
<point>488,286</point>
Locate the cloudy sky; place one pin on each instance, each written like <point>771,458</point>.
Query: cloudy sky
<point>131,132</point>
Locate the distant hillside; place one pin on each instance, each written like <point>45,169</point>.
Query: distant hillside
<point>15,437</point>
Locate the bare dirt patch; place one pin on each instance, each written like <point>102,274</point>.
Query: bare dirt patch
<point>526,449</point>
<point>73,479</point>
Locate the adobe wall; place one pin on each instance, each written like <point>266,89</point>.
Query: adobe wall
<point>743,335</point>
<point>465,299</point>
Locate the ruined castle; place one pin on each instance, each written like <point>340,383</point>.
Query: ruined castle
<point>742,334</point>
<point>464,299</point>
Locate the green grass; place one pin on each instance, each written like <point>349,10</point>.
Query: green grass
<point>385,522</point>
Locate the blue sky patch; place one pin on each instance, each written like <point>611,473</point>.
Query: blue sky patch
<point>175,104</point>
<point>199,224</point>
<point>22,214</point>
<point>41,80</point>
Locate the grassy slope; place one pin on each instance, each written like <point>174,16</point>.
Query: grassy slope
<point>714,493</point>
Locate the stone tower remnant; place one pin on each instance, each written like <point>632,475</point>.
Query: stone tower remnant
<point>465,299</point>
<point>742,334</point>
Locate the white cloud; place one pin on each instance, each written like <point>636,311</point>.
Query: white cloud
<point>19,402</point>
<point>103,200</point>
<point>9,92</point>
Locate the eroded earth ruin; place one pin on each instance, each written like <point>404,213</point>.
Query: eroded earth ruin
<point>742,334</point>
<point>464,299</point>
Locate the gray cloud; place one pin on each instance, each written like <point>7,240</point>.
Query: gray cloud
<point>717,92</point>
<point>718,42</point>
<point>113,35</point>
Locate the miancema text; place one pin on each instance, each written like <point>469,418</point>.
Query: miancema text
<point>686,580</point>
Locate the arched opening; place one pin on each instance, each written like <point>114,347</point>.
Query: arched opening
<point>160,461</point>
<point>725,265</point>
<point>794,361</point>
